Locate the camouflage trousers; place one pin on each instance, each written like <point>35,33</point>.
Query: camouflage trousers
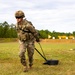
<point>29,46</point>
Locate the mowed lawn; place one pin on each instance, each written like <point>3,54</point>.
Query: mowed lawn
<point>10,62</point>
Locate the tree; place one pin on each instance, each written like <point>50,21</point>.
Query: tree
<point>74,33</point>
<point>5,29</point>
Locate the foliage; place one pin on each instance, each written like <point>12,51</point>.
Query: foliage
<point>8,31</point>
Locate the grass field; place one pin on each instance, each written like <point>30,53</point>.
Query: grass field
<point>10,62</point>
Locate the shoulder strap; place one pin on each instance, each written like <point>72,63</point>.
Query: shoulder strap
<point>26,21</point>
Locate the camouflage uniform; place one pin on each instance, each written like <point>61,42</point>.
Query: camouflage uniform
<point>26,34</point>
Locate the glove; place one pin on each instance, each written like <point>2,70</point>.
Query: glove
<point>37,40</point>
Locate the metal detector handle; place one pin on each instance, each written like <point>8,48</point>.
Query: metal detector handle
<point>40,54</point>
<point>41,49</point>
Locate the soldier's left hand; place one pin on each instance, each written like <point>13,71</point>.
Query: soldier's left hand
<point>37,40</point>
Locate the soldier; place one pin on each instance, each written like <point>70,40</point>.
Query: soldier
<point>27,34</point>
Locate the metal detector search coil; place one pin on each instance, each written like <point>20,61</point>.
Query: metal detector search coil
<point>51,62</point>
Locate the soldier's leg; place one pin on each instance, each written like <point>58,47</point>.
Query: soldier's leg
<point>30,50</point>
<point>22,55</point>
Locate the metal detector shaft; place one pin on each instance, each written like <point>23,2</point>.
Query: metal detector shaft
<point>40,54</point>
<point>42,49</point>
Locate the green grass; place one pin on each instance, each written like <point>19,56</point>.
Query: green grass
<point>10,62</point>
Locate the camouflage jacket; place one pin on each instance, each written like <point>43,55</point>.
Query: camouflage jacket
<point>26,31</point>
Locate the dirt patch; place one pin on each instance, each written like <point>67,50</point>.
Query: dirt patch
<point>58,40</point>
<point>42,40</point>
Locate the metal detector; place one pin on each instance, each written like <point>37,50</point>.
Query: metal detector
<point>48,62</point>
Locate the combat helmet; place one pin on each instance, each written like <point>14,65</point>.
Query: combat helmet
<point>19,13</point>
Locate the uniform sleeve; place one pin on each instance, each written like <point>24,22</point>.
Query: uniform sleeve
<point>32,29</point>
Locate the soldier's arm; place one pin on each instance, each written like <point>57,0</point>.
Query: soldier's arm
<point>33,31</point>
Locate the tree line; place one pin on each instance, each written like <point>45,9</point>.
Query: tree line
<point>9,31</point>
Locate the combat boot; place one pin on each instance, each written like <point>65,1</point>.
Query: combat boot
<point>25,69</point>
<point>30,65</point>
